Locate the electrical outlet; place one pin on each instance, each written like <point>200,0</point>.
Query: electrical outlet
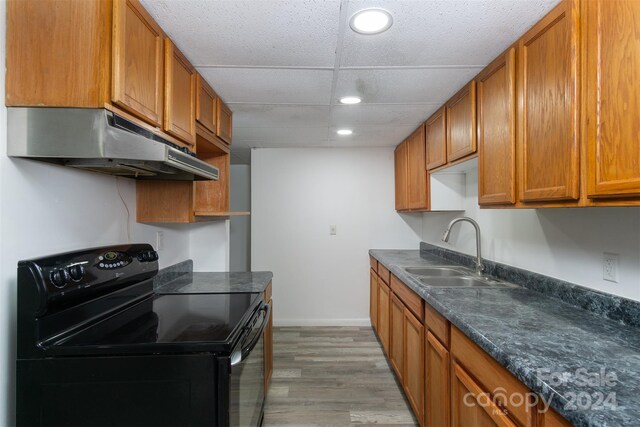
<point>332,230</point>
<point>159,240</point>
<point>610,267</point>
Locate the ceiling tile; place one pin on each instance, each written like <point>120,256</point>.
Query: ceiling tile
<point>269,115</point>
<point>403,86</point>
<point>371,136</point>
<point>270,86</point>
<point>280,137</point>
<point>441,32</point>
<point>258,32</point>
<point>381,114</point>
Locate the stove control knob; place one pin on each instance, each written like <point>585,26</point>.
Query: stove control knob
<point>59,278</point>
<point>76,272</point>
<point>148,256</point>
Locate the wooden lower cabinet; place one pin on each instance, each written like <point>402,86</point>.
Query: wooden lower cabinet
<point>384,299</point>
<point>413,377</point>
<point>268,350</point>
<point>268,340</point>
<point>448,380</point>
<point>551,418</point>
<point>437,383</point>
<point>471,405</point>
<point>495,381</point>
<point>396,352</point>
<point>373,299</point>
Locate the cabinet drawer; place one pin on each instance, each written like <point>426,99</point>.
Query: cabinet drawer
<point>373,263</point>
<point>410,299</point>
<point>493,378</point>
<point>437,324</point>
<point>383,273</point>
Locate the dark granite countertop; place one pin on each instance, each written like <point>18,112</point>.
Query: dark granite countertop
<point>211,282</point>
<point>550,345</point>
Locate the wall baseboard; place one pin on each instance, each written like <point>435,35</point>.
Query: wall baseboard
<point>321,322</point>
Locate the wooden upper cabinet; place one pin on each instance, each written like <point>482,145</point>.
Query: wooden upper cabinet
<point>180,95</point>
<point>138,65</point>
<point>213,196</point>
<point>612,97</point>
<point>206,104</point>
<point>58,54</point>
<point>417,173</point>
<point>549,111</point>
<point>224,121</point>
<point>496,92</point>
<point>436,139</point>
<point>401,171</point>
<point>461,123</point>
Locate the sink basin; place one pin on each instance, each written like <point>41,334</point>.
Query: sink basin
<point>464,282</point>
<point>436,271</point>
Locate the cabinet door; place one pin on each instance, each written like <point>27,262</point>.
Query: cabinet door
<point>268,350</point>
<point>58,53</point>
<point>414,363</point>
<point>224,121</point>
<point>206,104</point>
<point>383,315</point>
<point>612,97</point>
<point>471,405</point>
<point>373,299</point>
<point>437,395</point>
<point>551,418</point>
<point>436,139</point>
<point>179,96</point>
<point>548,126</point>
<point>396,351</point>
<point>401,176</point>
<point>138,66</point>
<point>497,131</point>
<point>417,172</point>
<point>461,123</point>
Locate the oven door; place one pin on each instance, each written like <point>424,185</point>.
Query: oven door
<point>246,400</point>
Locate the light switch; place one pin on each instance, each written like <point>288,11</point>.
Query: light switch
<point>332,230</point>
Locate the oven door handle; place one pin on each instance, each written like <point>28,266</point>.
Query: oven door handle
<point>240,355</point>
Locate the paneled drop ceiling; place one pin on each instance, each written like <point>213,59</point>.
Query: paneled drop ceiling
<point>282,65</point>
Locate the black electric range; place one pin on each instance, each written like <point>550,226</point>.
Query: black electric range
<point>97,347</point>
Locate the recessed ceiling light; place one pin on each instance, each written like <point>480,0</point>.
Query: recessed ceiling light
<point>344,132</point>
<point>350,100</point>
<point>371,21</point>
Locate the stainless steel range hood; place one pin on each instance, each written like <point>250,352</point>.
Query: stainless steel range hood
<point>101,141</point>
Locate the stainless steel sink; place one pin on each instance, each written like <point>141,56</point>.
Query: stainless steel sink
<point>437,271</point>
<point>464,282</point>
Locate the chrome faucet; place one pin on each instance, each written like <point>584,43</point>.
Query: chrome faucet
<point>447,232</point>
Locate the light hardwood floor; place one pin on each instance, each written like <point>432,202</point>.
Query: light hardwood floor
<point>333,376</point>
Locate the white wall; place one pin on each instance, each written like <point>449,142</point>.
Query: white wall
<point>240,226</point>
<point>296,195</point>
<point>46,209</point>
<point>564,243</point>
